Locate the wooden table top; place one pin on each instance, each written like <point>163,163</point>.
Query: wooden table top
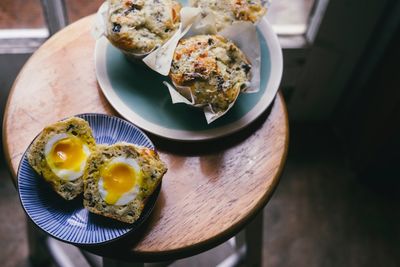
<point>211,190</point>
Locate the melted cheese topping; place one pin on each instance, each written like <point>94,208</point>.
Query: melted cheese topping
<point>228,11</point>
<point>213,68</point>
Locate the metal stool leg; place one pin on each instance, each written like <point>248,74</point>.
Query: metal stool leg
<point>254,241</point>
<point>248,245</point>
<point>38,253</point>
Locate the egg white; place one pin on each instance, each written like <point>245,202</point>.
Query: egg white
<point>65,173</point>
<point>133,192</point>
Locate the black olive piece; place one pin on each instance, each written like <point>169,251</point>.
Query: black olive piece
<point>116,27</point>
<point>158,16</point>
<point>220,82</point>
<point>246,68</point>
<point>136,7</point>
<point>74,133</point>
<point>70,127</point>
<point>210,41</point>
<point>132,8</point>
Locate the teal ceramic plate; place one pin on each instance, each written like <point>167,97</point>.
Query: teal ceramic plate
<point>138,94</point>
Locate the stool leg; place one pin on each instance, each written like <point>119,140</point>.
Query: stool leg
<point>38,254</point>
<point>248,245</point>
<point>115,263</point>
<point>254,241</point>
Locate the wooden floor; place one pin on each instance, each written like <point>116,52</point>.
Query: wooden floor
<point>322,214</point>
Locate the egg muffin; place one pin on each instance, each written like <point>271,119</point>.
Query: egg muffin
<point>119,179</point>
<point>227,11</point>
<point>59,155</point>
<point>140,26</point>
<point>213,68</point>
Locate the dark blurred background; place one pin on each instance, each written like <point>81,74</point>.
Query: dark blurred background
<point>338,201</point>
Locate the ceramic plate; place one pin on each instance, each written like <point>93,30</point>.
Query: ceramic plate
<point>138,94</point>
<point>67,220</point>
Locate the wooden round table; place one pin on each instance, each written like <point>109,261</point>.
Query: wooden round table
<point>211,190</point>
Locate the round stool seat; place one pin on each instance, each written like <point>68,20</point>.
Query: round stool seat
<point>211,190</point>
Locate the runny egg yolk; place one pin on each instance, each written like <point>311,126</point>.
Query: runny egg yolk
<point>119,178</point>
<point>68,154</point>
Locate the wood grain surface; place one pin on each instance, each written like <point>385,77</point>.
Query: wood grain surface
<point>212,189</point>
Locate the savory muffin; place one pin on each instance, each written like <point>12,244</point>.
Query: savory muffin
<point>227,11</point>
<point>140,26</point>
<point>213,68</point>
<point>119,179</point>
<point>59,155</point>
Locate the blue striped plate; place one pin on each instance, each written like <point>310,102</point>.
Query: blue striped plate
<point>69,221</point>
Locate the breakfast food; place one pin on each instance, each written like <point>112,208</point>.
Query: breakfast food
<point>225,12</point>
<point>140,26</point>
<point>119,179</point>
<point>59,155</point>
<point>213,69</point>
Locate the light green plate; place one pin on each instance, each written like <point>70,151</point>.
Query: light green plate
<point>138,94</point>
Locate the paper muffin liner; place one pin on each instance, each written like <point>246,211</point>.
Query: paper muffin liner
<point>188,16</point>
<point>161,59</point>
<point>181,94</point>
<point>244,36</point>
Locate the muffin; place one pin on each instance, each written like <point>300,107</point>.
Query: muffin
<point>59,155</point>
<point>227,11</point>
<point>213,68</point>
<point>119,180</point>
<point>140,26</point>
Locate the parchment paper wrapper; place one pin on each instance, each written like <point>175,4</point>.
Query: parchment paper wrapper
<point>244,35</point>
<point>99,28</point>
<point>160,60</point>
<point>188,16</point>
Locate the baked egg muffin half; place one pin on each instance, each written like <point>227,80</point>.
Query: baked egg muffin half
<point>59,155</point>
<point>225,12</point>
<point>140,26</point>
<point>213,68</point>
<point>119,179</point>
